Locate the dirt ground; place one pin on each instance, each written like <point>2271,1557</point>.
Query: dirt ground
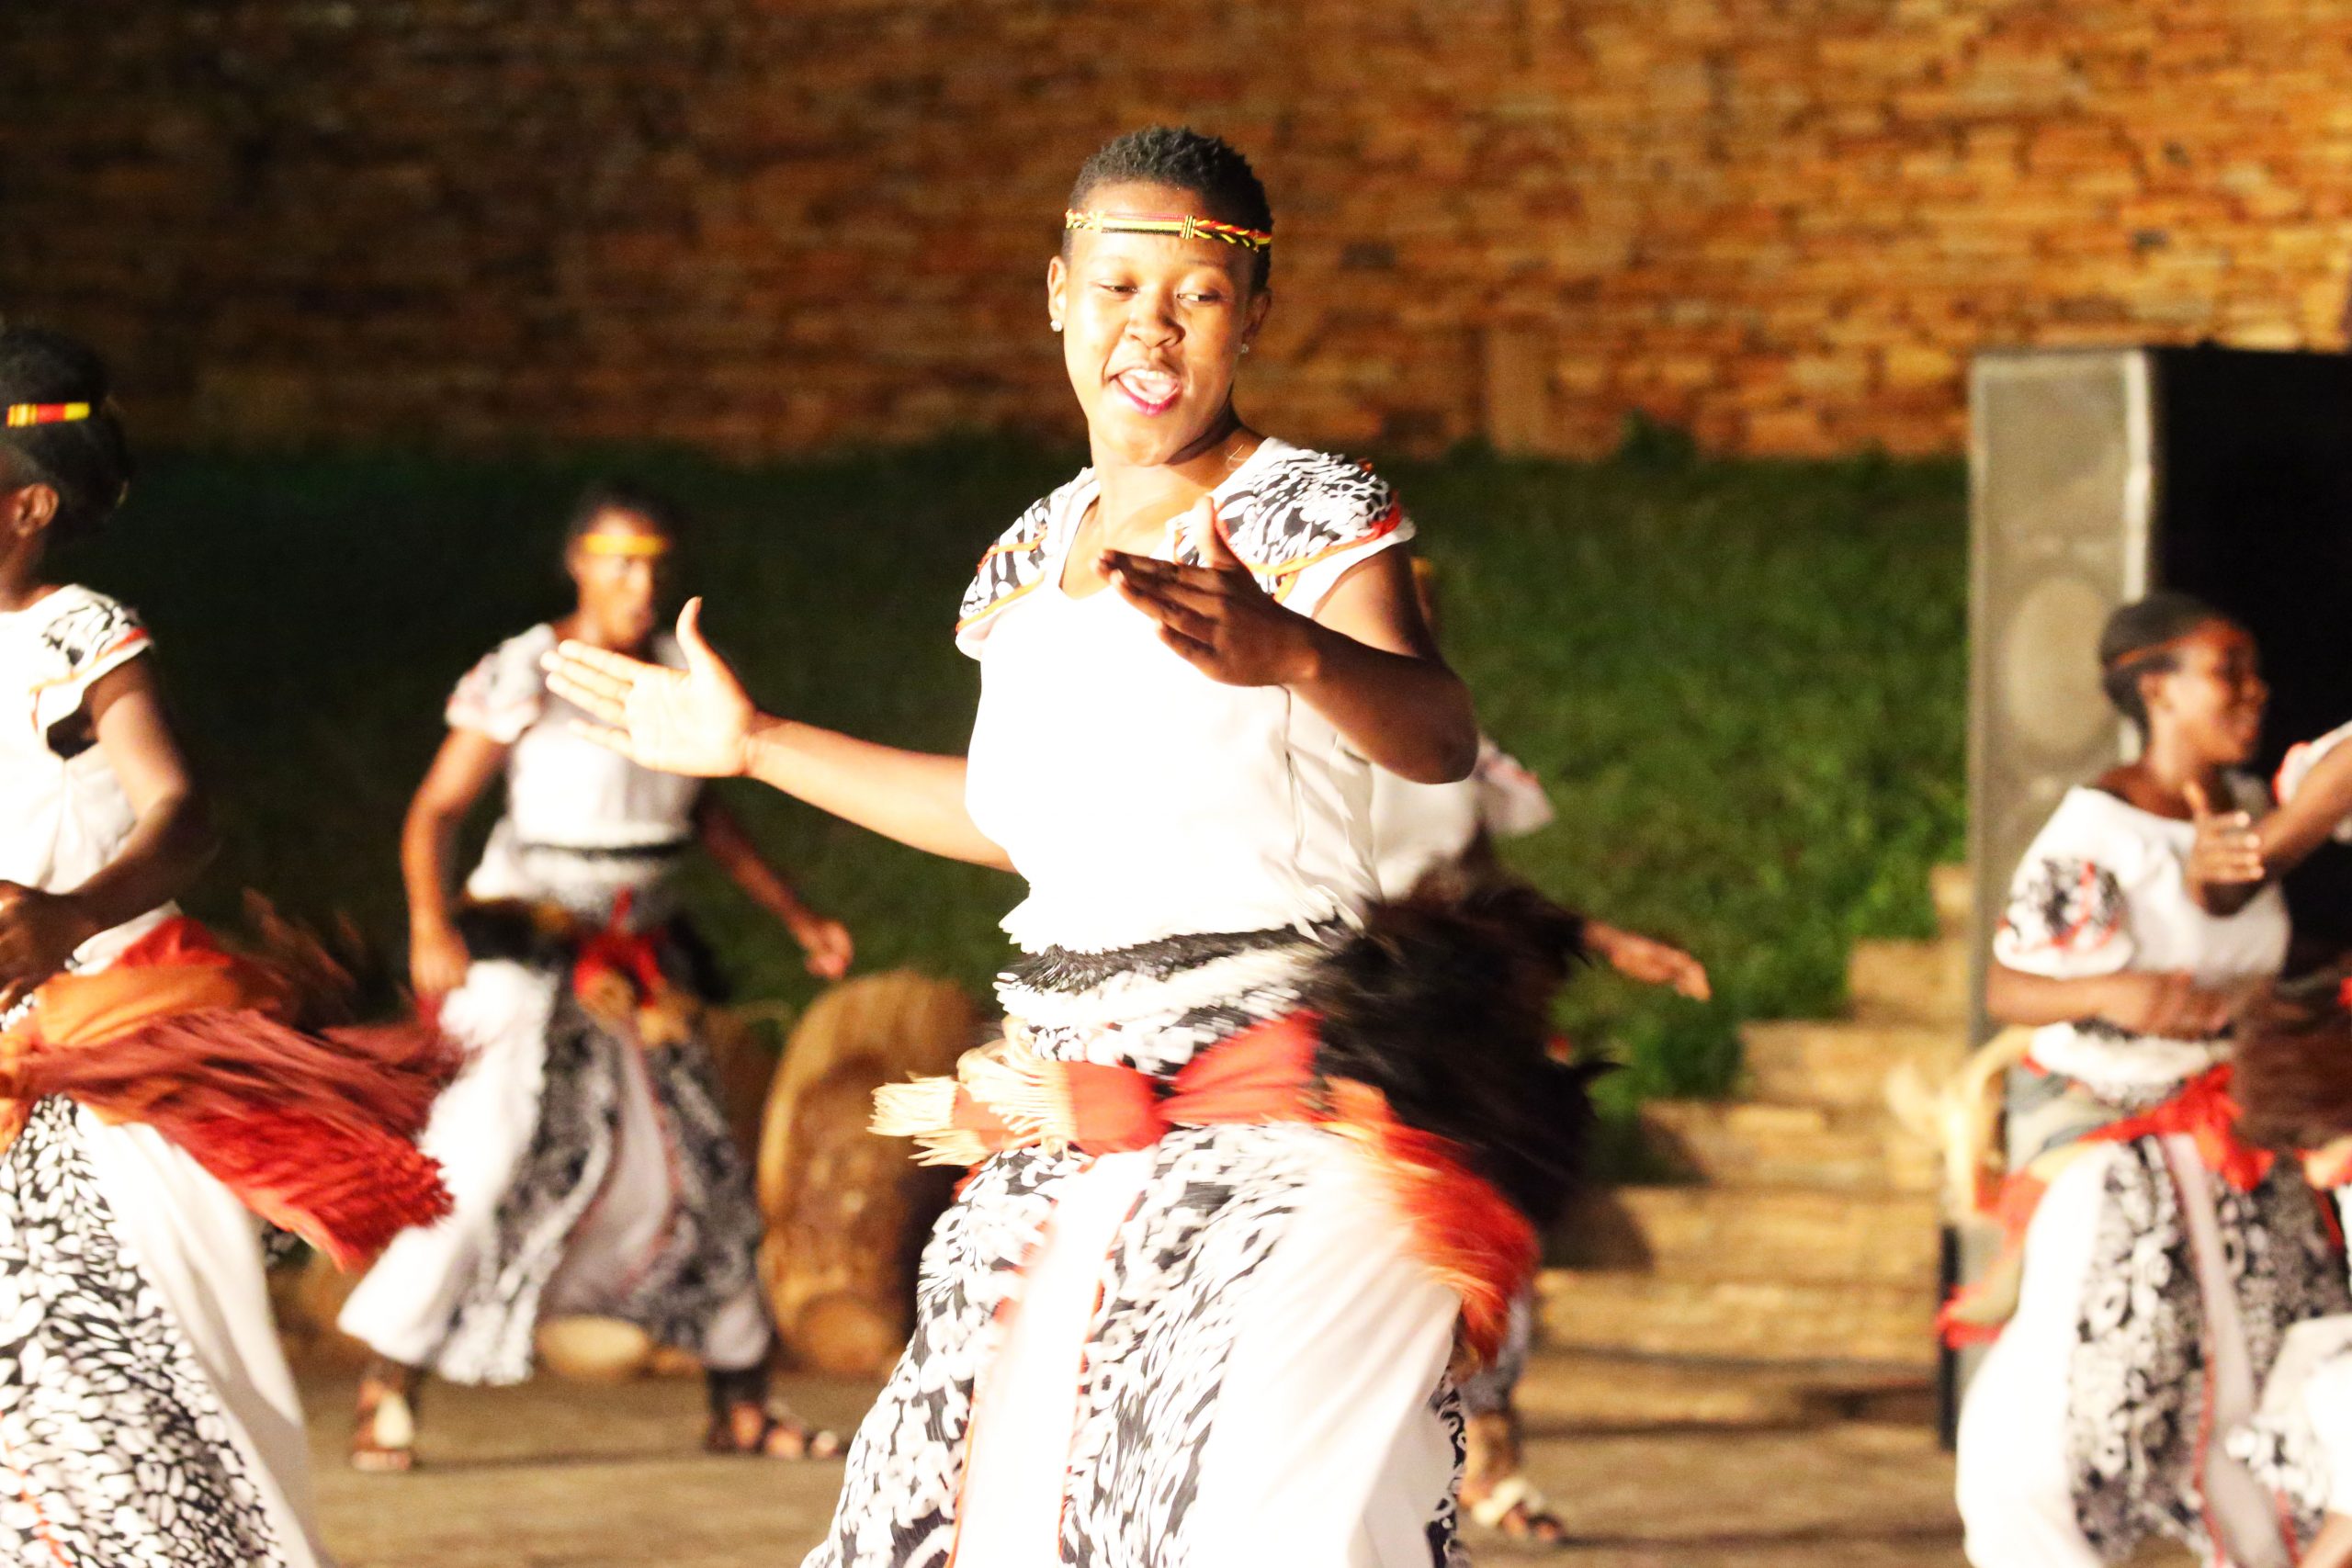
<point>1665,1469</point>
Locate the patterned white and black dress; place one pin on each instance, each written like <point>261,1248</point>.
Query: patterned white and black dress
<point>147,1416</point>
<point>592,1171</point>
<point>1248,1367</point>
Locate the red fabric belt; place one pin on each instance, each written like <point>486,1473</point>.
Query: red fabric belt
<point>1263,1073</point>
<point>1456,1224</point>
<point>2201,1109</point>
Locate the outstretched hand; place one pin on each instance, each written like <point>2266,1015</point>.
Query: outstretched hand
<point>1648,961</point>
<point>1215,616</point>
<point>695,721</point>
<point>825,946</point>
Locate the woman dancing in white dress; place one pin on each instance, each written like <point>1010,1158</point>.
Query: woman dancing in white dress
<point>1197,1300</point>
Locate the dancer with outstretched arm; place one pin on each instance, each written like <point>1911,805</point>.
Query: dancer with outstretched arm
<point>1197,1298</point>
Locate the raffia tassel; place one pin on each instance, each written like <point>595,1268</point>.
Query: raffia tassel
<point>924,1109</point>
<point>1026,1090</point>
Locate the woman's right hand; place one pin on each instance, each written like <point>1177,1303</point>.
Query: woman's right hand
<point>695,721</point>
<point>2165,1006</point>
<point>437,959</point>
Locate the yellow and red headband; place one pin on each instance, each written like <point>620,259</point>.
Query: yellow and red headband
<point>1186,227</point>
<point>20,415</point>
<point>631,546</point>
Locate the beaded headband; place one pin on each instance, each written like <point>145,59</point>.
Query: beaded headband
<point>1186,227</point>
<point>19,415</point>
<point>2158,649</point>
<point>636,547</point>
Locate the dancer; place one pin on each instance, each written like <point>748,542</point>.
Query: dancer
<point>156,1093</point>
<point>589,1156</point>
<point>1197,1298</point>
<point>2293,1077</point>
<point>1421,828</point>
<point>2162,1260</point>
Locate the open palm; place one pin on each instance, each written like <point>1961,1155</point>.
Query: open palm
<point>695,721</point>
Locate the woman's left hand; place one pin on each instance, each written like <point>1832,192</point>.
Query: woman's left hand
<point>1649,960</point>
<point>1215,616</point>
<point>826,944</point>
<point>38,932</point>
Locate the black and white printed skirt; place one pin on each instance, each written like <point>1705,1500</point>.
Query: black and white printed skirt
<point>1210,1351</point>
<point>147,1416</point>
<point>588,1174</point>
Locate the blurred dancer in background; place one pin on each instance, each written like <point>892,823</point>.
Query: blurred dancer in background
<point>586,1145</point>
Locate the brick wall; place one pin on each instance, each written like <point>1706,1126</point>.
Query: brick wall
<point>765,225</point>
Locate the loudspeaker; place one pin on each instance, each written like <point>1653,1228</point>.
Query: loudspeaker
<point>2094,476</point>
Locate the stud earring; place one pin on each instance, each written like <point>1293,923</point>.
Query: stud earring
<point>1245,348</point>
<point>1056,325</point>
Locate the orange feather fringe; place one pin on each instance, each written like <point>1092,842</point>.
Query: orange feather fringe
<point>315,1131</point>
<point>1456,1224</point>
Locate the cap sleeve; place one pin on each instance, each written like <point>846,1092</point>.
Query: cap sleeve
<point>502,695</point>
<point>1511,802</point>
<point>86,636</point>
<point>1014,565</point>
<point>2298,765</point>
<point>2066,918</point>
<point>1309,520</point>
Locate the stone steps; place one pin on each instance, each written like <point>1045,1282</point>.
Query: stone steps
<point>1843,1064</point>
<point>1953,890</point>
<point>1583,1392</point>
<point>1657,1315</point>
<point>1908,983</point>
<point>1810,1233</point>
<point>1769,1235</point>
<point>1761,1144</point>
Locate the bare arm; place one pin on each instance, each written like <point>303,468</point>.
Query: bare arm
<point>916,797</point>
<point>825,941</point>
<point>700,721</point>
<point>467,764</point>
<point>1376,675</point>
<point>2168,1006</point>
<point>2234,855</point>
<point>1365,661</point>
<point>2324,799</point>
<point>169,844</point>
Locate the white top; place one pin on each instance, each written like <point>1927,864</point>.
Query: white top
<point>1416,827</point>
<point>574,809</point>
<point>63,818</point>
<point>2102,889</point>
<point>2297,766</point>
<point>1138,797</point>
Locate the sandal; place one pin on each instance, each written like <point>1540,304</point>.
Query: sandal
<point>778,1434</point>
<point>1515,1510</point>
<point>383,1437</point>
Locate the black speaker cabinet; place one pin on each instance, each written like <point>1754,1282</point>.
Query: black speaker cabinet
<point>2097,475</point>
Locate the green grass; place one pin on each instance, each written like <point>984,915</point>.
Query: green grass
<point>1744,681</point>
